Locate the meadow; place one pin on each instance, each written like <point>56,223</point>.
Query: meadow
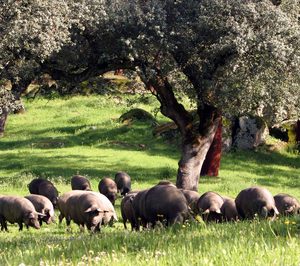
<point>58,138</point>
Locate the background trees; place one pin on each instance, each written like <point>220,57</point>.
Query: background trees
<point>230,57</point>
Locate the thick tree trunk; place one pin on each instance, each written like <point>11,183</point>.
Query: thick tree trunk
<point>298,131</point>
<point>212,160</point>
<point>3,118</point>
<point>195,149</point>
<point>190,164</point>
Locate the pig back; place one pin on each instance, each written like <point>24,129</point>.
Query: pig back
<point>33,186</point>
<point>108,187</point>
<point>79,182</point>
<point>48,190</point>
<point>123,182</point>
<point>211,201</point>
<point>165,201</point>
<point>228,209</point>
<point>251,201</point>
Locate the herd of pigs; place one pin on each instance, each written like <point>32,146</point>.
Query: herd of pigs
<point>163,203</point>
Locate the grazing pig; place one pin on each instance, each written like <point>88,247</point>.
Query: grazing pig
<point>108,187</point>
<point>165,203</point>
<point>192,198</point>
<point>44,206</point>
<point>71,205</point>
<point>79,182</point>
<point>256,201</point>
<point>209,206</point>
<point>127,210</point>
<point>45,188</point>
<point>18,210</point>
<point>123,182</point>
<point>287,204</point>
<point>229,210</point>
<point>85,210</point>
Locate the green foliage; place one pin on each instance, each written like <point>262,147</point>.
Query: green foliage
<point>96,144</point>
<point>238,56</point>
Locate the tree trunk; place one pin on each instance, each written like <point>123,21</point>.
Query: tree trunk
<point>3,118</point>
<point>212,160</point>
<point>190,164</point>
<point>298,131</point>
<point>195,149</point>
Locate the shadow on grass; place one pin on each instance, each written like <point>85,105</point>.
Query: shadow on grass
<point>125,137</point>
<point>272,168</point>
<point>60,169</point>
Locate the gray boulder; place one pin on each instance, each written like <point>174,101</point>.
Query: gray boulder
<point>249,132</point>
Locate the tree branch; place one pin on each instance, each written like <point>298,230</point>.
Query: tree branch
<point>169,104</point>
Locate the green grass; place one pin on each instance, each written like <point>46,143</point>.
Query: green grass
<point>59,138</point>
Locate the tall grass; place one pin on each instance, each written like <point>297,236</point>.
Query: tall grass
<point>59,138</point>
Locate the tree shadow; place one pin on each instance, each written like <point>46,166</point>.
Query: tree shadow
<point>125,137</point>
<point>272,168</point>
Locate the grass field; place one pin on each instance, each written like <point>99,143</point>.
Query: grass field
<point>59,138</point>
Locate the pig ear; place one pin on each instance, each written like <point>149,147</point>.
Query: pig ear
<point>40,214</point>
<point>88,210</point>
<point>206,211</point>
<point>31,215</point>
<point>218,211</point>
<point>92,210</point>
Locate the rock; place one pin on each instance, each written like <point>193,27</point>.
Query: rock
<point>226,134</point>
<point>137,114</point>
<point>249,132</point>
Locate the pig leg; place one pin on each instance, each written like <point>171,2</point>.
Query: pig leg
<point>60,217</point>
<point>21,226</point>
<point>3,224</point>
<point>241,213</point>
<point>68,221</point>
<point>125,226</point>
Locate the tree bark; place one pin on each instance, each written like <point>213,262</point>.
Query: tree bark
<point>212,160</point>
<point>298,131</point>
<point>194,150</point>
<point>3,118</point>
